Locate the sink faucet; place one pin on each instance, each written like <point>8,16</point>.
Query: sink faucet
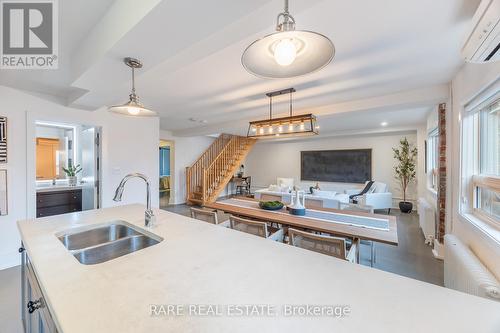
<point>150,218</point>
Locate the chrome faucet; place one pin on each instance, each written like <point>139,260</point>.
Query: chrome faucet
<point>150,218</point>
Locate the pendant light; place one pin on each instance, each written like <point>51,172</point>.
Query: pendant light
<point>133,107</point>
<point>288,52</point>
<point>298,125</point>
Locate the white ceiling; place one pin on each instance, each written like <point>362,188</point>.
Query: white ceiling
<point>393,61</point>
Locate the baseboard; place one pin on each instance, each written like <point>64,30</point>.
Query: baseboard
<point>9,259</point>
<point>438,250</point>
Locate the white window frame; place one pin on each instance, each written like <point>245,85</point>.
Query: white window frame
<point>472,181</point>
<point>433,160</point>
<point>479,182</point>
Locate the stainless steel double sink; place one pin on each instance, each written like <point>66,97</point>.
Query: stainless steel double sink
<point>106,242</point>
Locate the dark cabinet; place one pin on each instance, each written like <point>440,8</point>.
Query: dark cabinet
<point>58,202</point>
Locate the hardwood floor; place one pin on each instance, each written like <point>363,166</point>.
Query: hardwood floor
<point>411,258</point>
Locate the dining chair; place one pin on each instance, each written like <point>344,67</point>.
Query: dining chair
<point>208,215</point>
<point>368,209</point>
<point>314,203</point>
<point>333,246</point>
<point>257,228</point>
<point>271,197</point>
<point>356,207</point>
<point>243,185</point>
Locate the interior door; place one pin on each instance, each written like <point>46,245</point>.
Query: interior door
<point>89,180</point>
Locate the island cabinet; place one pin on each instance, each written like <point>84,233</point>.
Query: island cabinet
<point>34,312</point>
<point>58,202</point>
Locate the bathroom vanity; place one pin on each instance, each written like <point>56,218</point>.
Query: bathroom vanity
<point>55,200</point>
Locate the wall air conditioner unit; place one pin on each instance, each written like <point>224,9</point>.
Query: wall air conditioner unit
<point>483,41</point>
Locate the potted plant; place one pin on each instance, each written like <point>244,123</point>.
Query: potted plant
<point>71,173</point>
<point>406,156</point>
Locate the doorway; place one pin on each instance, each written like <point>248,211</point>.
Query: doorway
<point>67,166</point>
<point>166,172</point>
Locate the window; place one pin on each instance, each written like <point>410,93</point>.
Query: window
<point>481,160</point>
<point>490,135</point>
<point>487,184</point>
<point>433,159</point>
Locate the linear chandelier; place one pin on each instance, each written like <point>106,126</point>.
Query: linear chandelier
<point>288,52</point>
<point>298,125</point>
<point>133,107</point>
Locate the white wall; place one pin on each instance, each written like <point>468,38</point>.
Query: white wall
<point>469,82</point>
<point>186,152</point>
<point>421,175</point>
<point>272,159</point>
<point>128,145</point>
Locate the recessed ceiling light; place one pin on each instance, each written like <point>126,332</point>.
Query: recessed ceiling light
<point>196,120</point>
<point>384,123</point>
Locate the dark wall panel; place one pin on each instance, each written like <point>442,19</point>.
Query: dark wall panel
<point>343,166</point>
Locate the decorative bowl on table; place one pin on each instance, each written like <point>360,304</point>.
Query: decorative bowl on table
<point>271,205</point>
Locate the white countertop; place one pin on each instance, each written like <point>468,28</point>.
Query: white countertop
<point>59,187</point>
<point>200,263</point>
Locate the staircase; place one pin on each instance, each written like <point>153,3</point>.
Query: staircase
<point>208,176</point>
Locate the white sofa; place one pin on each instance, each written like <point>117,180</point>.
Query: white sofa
<point>378,196</point>
<point>325,199</point>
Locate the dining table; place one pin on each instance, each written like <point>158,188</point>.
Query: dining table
<point>353,224</point>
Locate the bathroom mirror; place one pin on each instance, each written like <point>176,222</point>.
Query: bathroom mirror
<point>54,150</point>
<point>3,192</point>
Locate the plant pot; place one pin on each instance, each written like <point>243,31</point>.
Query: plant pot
<point>72,180</point>
<point>405,206</point>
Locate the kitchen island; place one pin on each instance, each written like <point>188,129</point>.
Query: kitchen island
<point>193,278</point>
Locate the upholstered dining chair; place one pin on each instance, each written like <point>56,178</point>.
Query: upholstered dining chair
<point>271,197</point>
<point>332,246</point>
<point>356,207</point>
<point>257,228</point>
<point>208,215</point>
<point>314,203</point>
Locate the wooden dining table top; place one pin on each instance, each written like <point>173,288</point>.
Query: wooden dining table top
<point>383,236</point>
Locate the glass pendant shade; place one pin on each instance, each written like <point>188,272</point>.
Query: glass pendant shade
<point>271,57</point>
<point>288,52</point>
<point>133,107</point>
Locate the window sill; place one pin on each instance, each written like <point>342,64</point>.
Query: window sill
<point>485,227</point>
<point>432,191</point>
